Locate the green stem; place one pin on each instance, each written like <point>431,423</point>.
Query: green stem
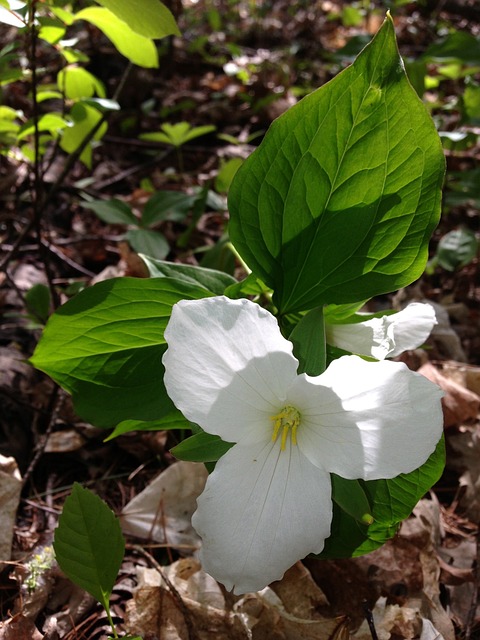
<point>110,620</point>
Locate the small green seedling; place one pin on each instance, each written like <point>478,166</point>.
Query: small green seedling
<point>89,545</point>
<point>176,135</point>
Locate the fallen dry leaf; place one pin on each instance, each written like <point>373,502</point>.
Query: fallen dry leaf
<point>19,628</point>
<point>10,489</point>
<point>162,512</point>
<point>459,404</point>
<point>185,602</point>
<point>401,622</point>
<point>466,443</point>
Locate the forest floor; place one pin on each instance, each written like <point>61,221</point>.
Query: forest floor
<point>424,582</point>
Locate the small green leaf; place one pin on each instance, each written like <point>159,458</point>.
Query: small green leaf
<point>456,249</point>
<point>85,118</point>
<point>213,281</point>
<point>149,18</point>
<point>151,243</point>
<point>201,447</point>
<point>51,30</point>
<point>177,134</point>
<point>112,211</point>
<point>351,498</point>
<point>37,301</point>
<point>220,256</point>
<point>77,82</point>
<point>174,420</point>
<point>52,122</point>
<point>339,313</point>
<point>226,173</point>
<point>167,205</point>
<point>137,48</point>
<point>250,286</point>
<point>458,45</point>
<point>89,544</point>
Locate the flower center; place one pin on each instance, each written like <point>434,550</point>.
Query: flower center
<point>288,418</point>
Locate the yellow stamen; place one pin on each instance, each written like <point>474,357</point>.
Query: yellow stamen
<point>288,418</point>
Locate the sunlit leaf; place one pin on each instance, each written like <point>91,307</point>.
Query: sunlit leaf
<point>137,48</point>
<point>77,82</point>
<point>339,201</point>
<point>150,18</point>
<point>110,337</point>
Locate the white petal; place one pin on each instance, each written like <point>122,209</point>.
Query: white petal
<point>262,510</point>
<point>412,326</point>
<point>227,366</point>
<point>370,338</point>
<point>367,420</point>
<point>388,336</point>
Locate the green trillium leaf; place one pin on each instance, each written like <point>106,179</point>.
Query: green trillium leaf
<point>105,347</point>
<point>339,201</point>
<point>391,502</point>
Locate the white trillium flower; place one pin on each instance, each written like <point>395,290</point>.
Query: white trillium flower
<point>385,337</point>
<point>268,502</point>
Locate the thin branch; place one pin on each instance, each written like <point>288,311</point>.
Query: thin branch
<point>56,402</point>
<point>370,621</point>
<point>37,191</point>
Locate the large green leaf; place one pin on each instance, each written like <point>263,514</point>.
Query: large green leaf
<point>149,18</point>
<point>89,544</point>
<point>105,347</point>
<point>137,48</point>
<point>339,201</point>
<point>391,500</point>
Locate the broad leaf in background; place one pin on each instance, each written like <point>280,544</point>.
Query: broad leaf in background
<point>137,48</point>
<point>76,82</point>
<point>167,205</point>
<point>89,544</point>
<point>112,211</point>
<point>149,18</point>
<point>152,243</point>
<point>340,199</point>
<point>105,347</point>
<point>456,249</point>
<point>213,281</point>
<point>177,134</point>
<point>85,118</point>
